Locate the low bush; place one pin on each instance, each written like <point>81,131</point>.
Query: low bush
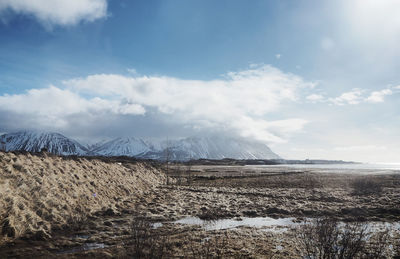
<point>327,238</point>
<point>145,243</point>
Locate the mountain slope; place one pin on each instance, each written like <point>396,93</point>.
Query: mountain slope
<point>148,148</point>
<point>186,148</point>
<point>220,148</point>
<point>130,146</point>
<point>36,141</point>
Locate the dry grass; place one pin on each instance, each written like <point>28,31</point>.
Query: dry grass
<point>209,247</point>
<point>41,193</point>
<point>366,186</point>
<point>147,242</point>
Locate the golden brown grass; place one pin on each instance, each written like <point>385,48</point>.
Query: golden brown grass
<point>41,193</point>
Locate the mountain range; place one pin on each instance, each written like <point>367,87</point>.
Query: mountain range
<point>147,148</point>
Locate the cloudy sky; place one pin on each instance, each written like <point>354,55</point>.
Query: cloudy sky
<point>312,79</point>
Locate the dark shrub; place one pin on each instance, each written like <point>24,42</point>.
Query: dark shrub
<point>145,243</point>
<point>328,238</point>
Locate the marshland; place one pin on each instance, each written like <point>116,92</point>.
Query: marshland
<point>73,207</point>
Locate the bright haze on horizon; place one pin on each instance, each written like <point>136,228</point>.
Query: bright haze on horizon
<point>311,79</point>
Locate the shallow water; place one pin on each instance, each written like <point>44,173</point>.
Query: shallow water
<point>156,225</point>
<point>271,224</point>
<point>259,222</point>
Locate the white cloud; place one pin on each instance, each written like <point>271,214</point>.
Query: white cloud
<point>378,96</point>
<point>357,96</point>
<point>315,98</point>
<point>238,104</point>
<point>375,20</point>
<point>352,97</point>
<point>278,56</point>
<point>58,12</point>
<point>52,106</point>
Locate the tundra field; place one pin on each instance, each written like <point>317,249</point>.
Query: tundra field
<point>73,207</point>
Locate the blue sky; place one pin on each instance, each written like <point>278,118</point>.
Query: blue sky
<point>312,79</point>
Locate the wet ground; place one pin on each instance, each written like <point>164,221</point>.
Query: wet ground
<point>249,211</point>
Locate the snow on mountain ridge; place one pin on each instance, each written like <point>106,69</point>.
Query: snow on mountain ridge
<point>149,148</point>
<point>36,141</point>
<point>130,146</point>
<point>187,148</point>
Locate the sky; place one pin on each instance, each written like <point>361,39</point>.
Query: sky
<point>311,79</point>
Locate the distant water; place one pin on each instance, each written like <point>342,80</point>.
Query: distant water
<point>344,167</point>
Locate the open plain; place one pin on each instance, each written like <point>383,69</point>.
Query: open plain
<point>122,208</point>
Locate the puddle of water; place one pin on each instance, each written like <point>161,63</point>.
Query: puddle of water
<point>271,224</point>
<point>156,225</point>
<point>258,222</point>
<point>82,248</point>
<point>379,226</point>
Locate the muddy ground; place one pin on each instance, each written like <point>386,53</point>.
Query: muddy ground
<point>216,192</point>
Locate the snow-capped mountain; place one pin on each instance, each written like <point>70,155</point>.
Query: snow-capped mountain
<point>36,141</point>
<point>91,144</point>
<point>149,148</point>
<point>220,148</point>
<point>187,148</point>
<point>129,146</point>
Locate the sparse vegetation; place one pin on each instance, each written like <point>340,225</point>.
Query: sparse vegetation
<point>212,213</point>
<point>146,243</point>
<point>303,180</point>
<point>208,247</point>
<point>327,238</point>
<point>76,222</point>
<point>79,201</point>
<point>366,186</point>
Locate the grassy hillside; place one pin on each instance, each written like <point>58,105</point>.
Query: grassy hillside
<point>42,193</point>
